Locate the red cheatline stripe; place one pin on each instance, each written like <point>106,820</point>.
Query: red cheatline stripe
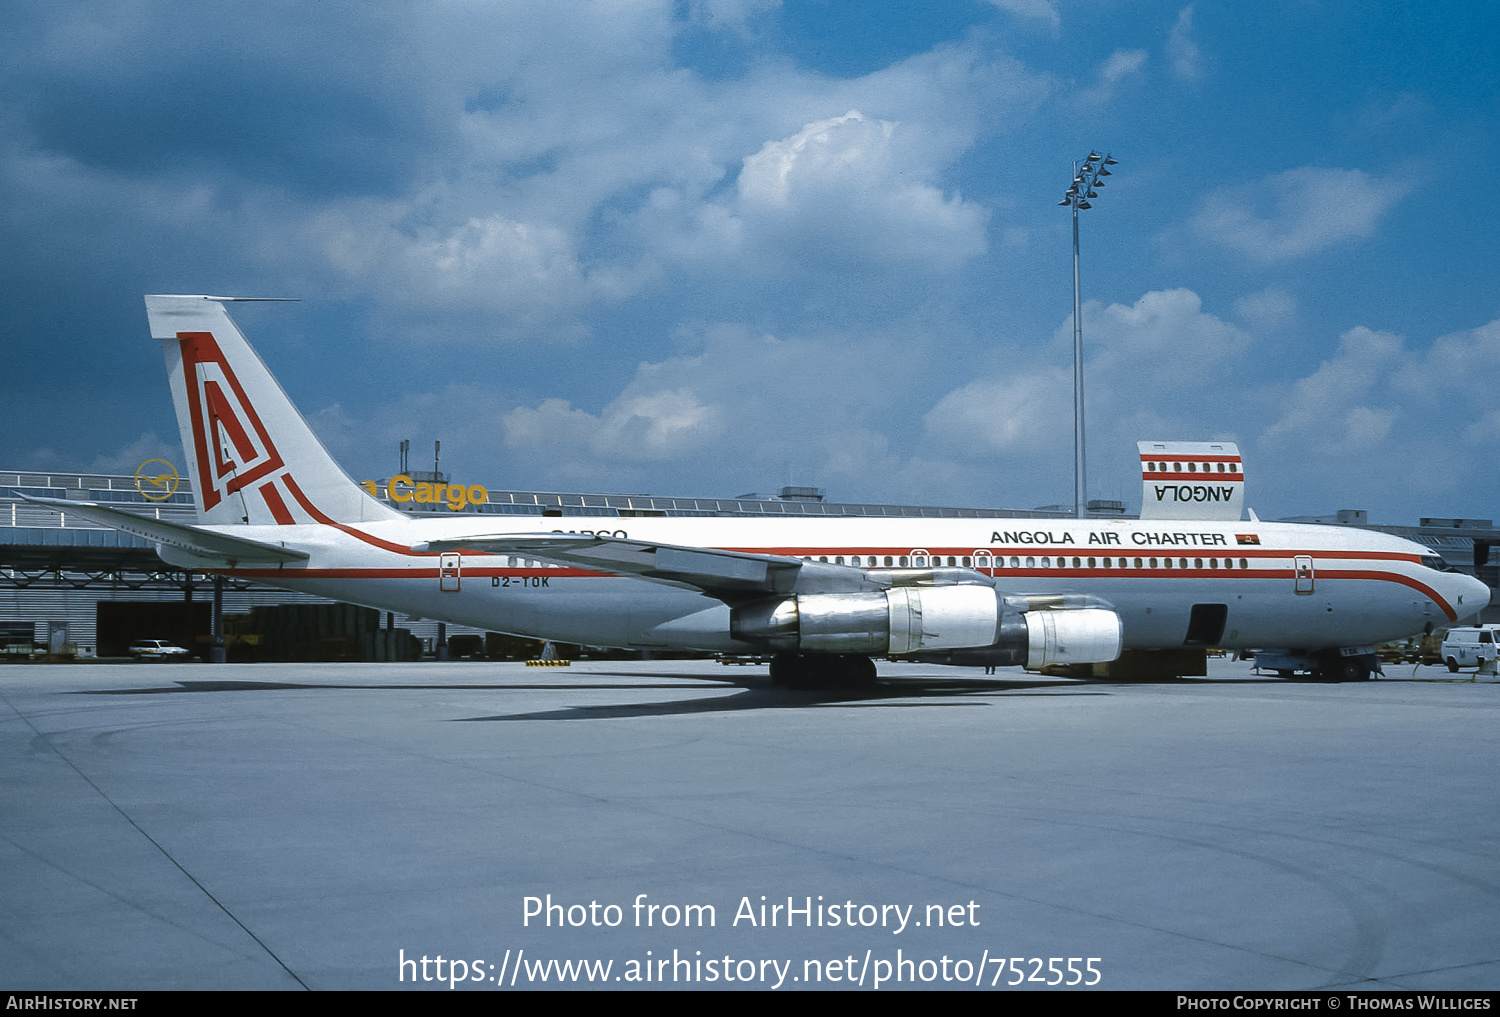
<point>279,511</point>
<point>384,545</point>
<point>312,510</point>
<point>1216,477</point>
<point>1095,550</point>
<point>413,573</point>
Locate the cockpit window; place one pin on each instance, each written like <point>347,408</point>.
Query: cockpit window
<point>1434,561</point>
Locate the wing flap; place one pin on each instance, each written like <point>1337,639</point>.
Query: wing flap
<point>206,544</point>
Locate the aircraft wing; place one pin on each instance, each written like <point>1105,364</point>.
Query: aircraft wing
<point>193,539</point>
<point>731,576</point>
<point>724,574</point>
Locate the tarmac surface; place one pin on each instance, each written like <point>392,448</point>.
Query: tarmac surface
<point>315,825</point>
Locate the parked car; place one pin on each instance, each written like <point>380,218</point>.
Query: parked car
<point>1470,645</point>
<point>158,649</point>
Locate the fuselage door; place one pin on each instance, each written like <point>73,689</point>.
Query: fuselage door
<point>449,566</point>
<point>1304,570</point>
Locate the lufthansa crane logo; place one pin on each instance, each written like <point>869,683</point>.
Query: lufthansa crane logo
<point>156,479</point>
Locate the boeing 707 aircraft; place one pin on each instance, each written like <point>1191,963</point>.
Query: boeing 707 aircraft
<point>825,595</point>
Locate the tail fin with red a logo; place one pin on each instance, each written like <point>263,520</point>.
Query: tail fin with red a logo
<point>252,457</point>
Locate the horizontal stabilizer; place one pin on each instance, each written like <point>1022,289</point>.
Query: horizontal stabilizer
<point>206,544</point>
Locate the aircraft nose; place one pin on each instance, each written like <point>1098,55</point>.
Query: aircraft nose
<point>1470,596</point>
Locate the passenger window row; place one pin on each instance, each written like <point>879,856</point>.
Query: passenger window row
<point>1192,467</point>
<point>984,561</point>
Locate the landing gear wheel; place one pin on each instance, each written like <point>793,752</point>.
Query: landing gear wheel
<point>1352,669</point>
<point>1342,669</point>
<point>785,669</point>
<point>852,671</point>
<point>822,671</point>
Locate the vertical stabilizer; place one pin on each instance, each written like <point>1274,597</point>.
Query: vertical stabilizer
<point>252,457</point>
<point>1191,480</point>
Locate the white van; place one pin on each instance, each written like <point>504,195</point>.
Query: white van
<point>1470,646</point>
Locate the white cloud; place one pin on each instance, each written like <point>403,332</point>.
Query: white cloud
<point>1161,344</point>
<point>740,408</point>
<point>735,15</point>
<point>1122,63</point>
<point>566,192</point>
<point>1162,351</point>
<point>1297,213</point>
<point>1119,66</point>
<point>1020,413</point>
<point>1328,410</point>
<point>849,187</point>
<point>535,164</point>
<point>1034,10</point>
<point>1268,310</point>
<point>129,457</point>
<point>1183,54</point>
<point>821,154</point>
<point>1378,410</point>
<point>1157,368</point>
<point>639,426</point>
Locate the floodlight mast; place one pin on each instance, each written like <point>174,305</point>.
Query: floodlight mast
<point>1085,180</point>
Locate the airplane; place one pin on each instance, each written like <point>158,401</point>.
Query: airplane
<point>824,596</point>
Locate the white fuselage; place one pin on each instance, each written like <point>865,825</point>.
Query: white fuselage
<point>1281,584</point>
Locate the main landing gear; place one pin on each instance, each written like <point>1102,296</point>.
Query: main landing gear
<point>1319,666</point>
<point>1346,669</point>
<point>1333,669</point>
<point>822,671</point>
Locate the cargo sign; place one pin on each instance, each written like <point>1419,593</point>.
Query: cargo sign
<point>401,489</point>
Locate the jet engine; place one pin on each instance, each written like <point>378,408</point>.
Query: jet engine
<point>928,621</point>
<point>1087,635</point>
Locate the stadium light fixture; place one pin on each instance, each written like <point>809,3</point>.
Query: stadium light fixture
<point>1086,178</point>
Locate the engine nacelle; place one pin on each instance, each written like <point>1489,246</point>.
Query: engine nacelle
<point>953,624</point>
<point>1089,635</point>
<point>898,620</point>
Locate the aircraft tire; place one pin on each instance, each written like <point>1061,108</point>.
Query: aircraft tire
<point>786,670</point>
<point>1351,669</point>
<point>1341,669</point>
<point>822,671</point>
<point>853,671</point>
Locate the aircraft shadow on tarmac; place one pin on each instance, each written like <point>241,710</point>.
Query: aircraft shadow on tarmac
<point>761,695</point>
<point>755,693</point>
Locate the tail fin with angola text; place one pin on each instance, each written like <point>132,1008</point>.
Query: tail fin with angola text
<point>1191,480</point>
<point>252,457</point>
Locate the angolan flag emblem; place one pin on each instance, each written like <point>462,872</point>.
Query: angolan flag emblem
<point>1246,538</point>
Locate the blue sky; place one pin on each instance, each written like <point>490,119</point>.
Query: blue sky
<point>720,246</point>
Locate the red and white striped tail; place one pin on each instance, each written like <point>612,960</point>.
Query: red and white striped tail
<point>1191,480</point>
<point>252,457</point>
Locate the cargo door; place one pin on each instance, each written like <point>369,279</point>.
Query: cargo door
<point>1206,624</point>
<point>449,568</point>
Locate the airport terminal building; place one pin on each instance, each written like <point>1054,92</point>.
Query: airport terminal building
<point>72,589</point>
